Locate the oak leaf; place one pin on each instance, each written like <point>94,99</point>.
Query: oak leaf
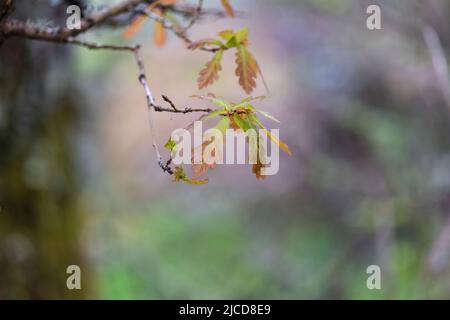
<point>211,71</point>
<point>199,169</point>
<point>167,2</point>
<point>247,69</point>
<point>228,8</point>
<point>159,36</point>
<point>134,27</point>
<point>256,169</point>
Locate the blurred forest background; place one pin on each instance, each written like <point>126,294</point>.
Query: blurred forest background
<point>365,113</point>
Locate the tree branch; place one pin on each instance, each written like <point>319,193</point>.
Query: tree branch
<point>13,27</point>
<point>10,27</point>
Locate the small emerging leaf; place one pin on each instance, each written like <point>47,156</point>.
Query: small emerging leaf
<point>226,34</point>
<point>248,99</point>
<point>283,146</point>
<point>218,102</point>
<point>256,169</point>
<point>268,116</point>
<point>243,106</point>
<point>180,175</point>
<point>242,36</point>
<point>170,145</point>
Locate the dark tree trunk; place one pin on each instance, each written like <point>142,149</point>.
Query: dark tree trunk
<point>39,216</point>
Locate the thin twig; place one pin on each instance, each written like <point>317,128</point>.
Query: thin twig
<point>16,28</point>
<point>194,19</point>
<point>96,46</point>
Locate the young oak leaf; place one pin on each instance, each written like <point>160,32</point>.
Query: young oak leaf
<point>256,169</point>
<point>211,71</point>
<point>180,175</point>
<point>216,100</point>
<point>170,145</point>
<point>283,146</point>
<point>159,36</point>
<point>137,23</point>
<point>134,27</point>
<point>199,169</point>
<point>228,8</point>
<point>247,69</point>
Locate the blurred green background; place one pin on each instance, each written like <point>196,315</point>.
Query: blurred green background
<point>364,112</point>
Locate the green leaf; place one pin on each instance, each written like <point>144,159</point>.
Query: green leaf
<point>241,35</point>
<point>275,139</point>
<point>248,99</point>
<point>180,175</point>
<point>267,115</point>
<point>231,43</point>
<point>243,106</point>
<point>216,113</point>
<point>226,34</point>
<point>255,121</point>
<point>244,124</point>
<point>234,39</point>
<point>283,146</point>
<point>170,145</point>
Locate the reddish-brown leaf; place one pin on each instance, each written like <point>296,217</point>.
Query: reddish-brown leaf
<point>167,2</point>
<point>247,68</point>
<point>228,8</point>
<point>211,71</point>
<point>134,27</point>
<point>233,124</point>
<point>199,169</point>
<point>160,35</point>
<point>256,169</point>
